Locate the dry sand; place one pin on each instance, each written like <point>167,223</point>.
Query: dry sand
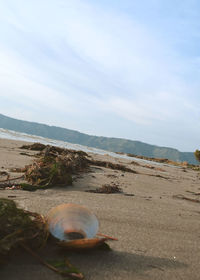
<point>159,235</point>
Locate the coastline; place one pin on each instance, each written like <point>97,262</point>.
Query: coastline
<point>158,233</point>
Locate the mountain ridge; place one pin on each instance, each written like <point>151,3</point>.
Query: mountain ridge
<point>106,143</point>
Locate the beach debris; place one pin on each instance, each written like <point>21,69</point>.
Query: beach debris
<point>48,171</point>
<point>83,244</point>
<point>72,221</point>
<point>180,196</point>
<point>64,268</point>
<point>26,154</point>
<point>18,225</point>
<point>135,163</point>
<point>53,150</point>
<point>54,166</point>
<point>107,236</point>
<point>107,189</point>
<point>167,161</point>
<point>14,187</point>
<point>34,147</point>
<point>110,189</point>
<point>12,179</point>
<point>194,193</point>
<point>112,165</point>
<point>45,149</point>
<point>18,169</point>
<point>153,167</point>
<point>75,227</point>
<point>3,173</point>
<point>158,176</point>
<point>113,175</point>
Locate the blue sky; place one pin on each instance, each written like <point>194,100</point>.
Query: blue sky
<point>128,69</point>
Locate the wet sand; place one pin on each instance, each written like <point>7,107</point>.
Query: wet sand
<point>159,235</point>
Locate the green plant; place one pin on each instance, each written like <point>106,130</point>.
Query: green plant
<point>197,155</point>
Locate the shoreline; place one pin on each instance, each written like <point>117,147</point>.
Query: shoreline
<point>59,143</point>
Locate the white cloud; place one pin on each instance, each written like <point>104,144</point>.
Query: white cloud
<point>81,60</point>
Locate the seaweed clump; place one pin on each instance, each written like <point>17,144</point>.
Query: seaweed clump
<point>48,171</point>
<point>18,226</point>
<point>54,167</point>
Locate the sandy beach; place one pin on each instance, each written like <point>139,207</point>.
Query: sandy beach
<point>159,233</point>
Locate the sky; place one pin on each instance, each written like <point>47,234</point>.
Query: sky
<point>117,68</point>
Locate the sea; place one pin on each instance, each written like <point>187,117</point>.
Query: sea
<point>14,135</point>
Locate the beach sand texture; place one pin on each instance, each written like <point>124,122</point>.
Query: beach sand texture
<point>159,235</point>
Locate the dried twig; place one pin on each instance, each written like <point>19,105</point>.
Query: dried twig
<point>194,193</point>
<point>179,196</point>
<point>76,276</point>
<point>11,179</point>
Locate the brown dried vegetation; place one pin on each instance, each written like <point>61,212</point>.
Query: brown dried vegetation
<point>55,166</point>
<point>19,226</point>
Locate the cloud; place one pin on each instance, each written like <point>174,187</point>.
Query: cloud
<point>83,61</point>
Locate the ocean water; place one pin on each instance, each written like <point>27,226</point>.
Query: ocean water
<point>14,135</point>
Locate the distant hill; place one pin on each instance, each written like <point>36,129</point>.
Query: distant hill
<point>105,143</point>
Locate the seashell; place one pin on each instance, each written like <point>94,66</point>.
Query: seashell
<point>69,222</point>
<point>82,244</point>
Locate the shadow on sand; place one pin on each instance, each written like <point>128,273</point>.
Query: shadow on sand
<point>94,265</point>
